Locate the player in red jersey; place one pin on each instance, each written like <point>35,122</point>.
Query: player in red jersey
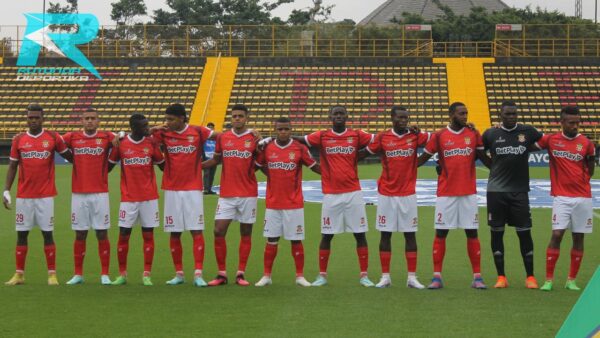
<point>33,153</point>
<point>236,150</point>
<point>90,205</point>
<point>458,147</point>
<point>138,154</point>
<point>343,205</point>
<point>397,203</point>
<point>182,183</point>
<point>282,162</point>
<point>571,167</point>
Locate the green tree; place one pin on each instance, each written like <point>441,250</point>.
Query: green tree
<point>124,12</point>
<point>69,8</point>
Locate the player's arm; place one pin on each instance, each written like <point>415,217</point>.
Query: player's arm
<point>423,158</point>
<point>363,153</point>
<point>483,156</point>
<point>316,168</point>
<point>10,178</point>
<point>67,155</point>
<point>213,162</point>
<point>301,139</point>
<point>591,164</point>
<point>161,165</point>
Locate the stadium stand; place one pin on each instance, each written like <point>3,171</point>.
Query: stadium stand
<point>138,87</point>
<point>542,90</point>
<point>305,93</point>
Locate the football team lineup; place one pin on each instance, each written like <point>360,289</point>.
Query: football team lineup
<point>188,154</point>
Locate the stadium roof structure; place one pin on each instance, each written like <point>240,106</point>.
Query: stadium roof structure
<point>428,9</point>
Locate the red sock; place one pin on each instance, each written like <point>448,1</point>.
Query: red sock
<point>122,251</point>
<point>104,253</point>
<point>411,261</point>
<point>176,253</point>
<point>244,252</point>
<point>78,255</point>
<point>323,260</point>
<point>363,258</point>
<point>576,258</point>
<point>221,253</point>
<point>474,249</point>
<point>298,254</point>
<point>148,250</point>
<point>50,251</point>
<point>385,258</point>
<point>439,250</point>
<point>20,256</point>
<point>269,257</point>
<point>198,251</point>
<point>551,259</point>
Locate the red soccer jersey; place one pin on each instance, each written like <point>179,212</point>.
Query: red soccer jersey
<point>183,157</point>
<point>339,157</point>
<point>284,165</point>
<point>238,153</point>
<point>456,153</point>
<point>399,161</point>
<point>138,181</point>
<point>90,160</point>
<point>569,176</point>
<point>35,154</point>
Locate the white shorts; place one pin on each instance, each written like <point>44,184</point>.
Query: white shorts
<point>573,213</point>
<point>30,212</point>
<point>289,223</point>
<point>241,209</point>
<point>456,212</point>
<point>397,213</point>
<point>343,213</point>
<point>144,213</point>
<point>90,211</point>
<point>184,210</point>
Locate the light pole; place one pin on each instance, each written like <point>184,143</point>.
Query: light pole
<point>43,25</point>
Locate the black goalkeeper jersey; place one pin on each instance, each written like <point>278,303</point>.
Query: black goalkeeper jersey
<point>510,157</point>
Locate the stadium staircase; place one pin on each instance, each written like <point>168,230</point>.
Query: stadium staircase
<point>542,90</point>
<point>305,93</point>
<point>212,96</point>
<point>135,87</point>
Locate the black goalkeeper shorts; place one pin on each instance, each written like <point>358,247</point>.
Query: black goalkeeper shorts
<point>510,208</point>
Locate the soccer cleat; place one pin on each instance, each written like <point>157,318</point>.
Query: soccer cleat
<point>366,282</point>
<point>105,280</point>
<point>241,280</point>
<point>478,284</point>
<point>121,280</point>
<point>77,279</point>
<point>436,283</point>
<point>52,279</point>
<point>16,279</point>
<point>547,286</point>
<point>264,281</point>
<point>178,279</point>
<point>413,283</point>
<point>320,281</point>
<point>302,281</point>
<point>147,281</point>
<point>199,281</point>
<point>501,283</point>
<point>219,280</point>
<point>571,285</point>
<point>384,282</point>
<point>531,283</point>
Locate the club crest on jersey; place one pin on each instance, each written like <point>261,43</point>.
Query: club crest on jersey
<point>98,141</point>
<point>190,138</point>
<point>350,139</point>
<point>292,155</point>
<point>521,138</point>
<point>579,147</point>
<point>467,140</point>
<point>298,229</point>
<point>146,150</point>
<point>247,143</point>
<point>45,144</point>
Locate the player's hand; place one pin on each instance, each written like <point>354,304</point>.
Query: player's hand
<point>256,134</point>
<point>115,142</point>
<point>263,143</point>
<point>414,129</point>
<point>6,199</point>
<point>162,127</point>
<point>471,126</point>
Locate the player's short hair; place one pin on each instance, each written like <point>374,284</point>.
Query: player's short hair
<point>135,118</point>
<point>210,124</point>
<point>570,110</point>
<point>508,104</point>
<point>89,110</point>
<point>240,107</point>
<point>337,106</point>
<point>397,108</point>
<point>35,107</point>
<point>176,109</point>
<point>283,119</point>
<point>455,105</point>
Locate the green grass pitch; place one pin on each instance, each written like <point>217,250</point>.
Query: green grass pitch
<point>342,308</point>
